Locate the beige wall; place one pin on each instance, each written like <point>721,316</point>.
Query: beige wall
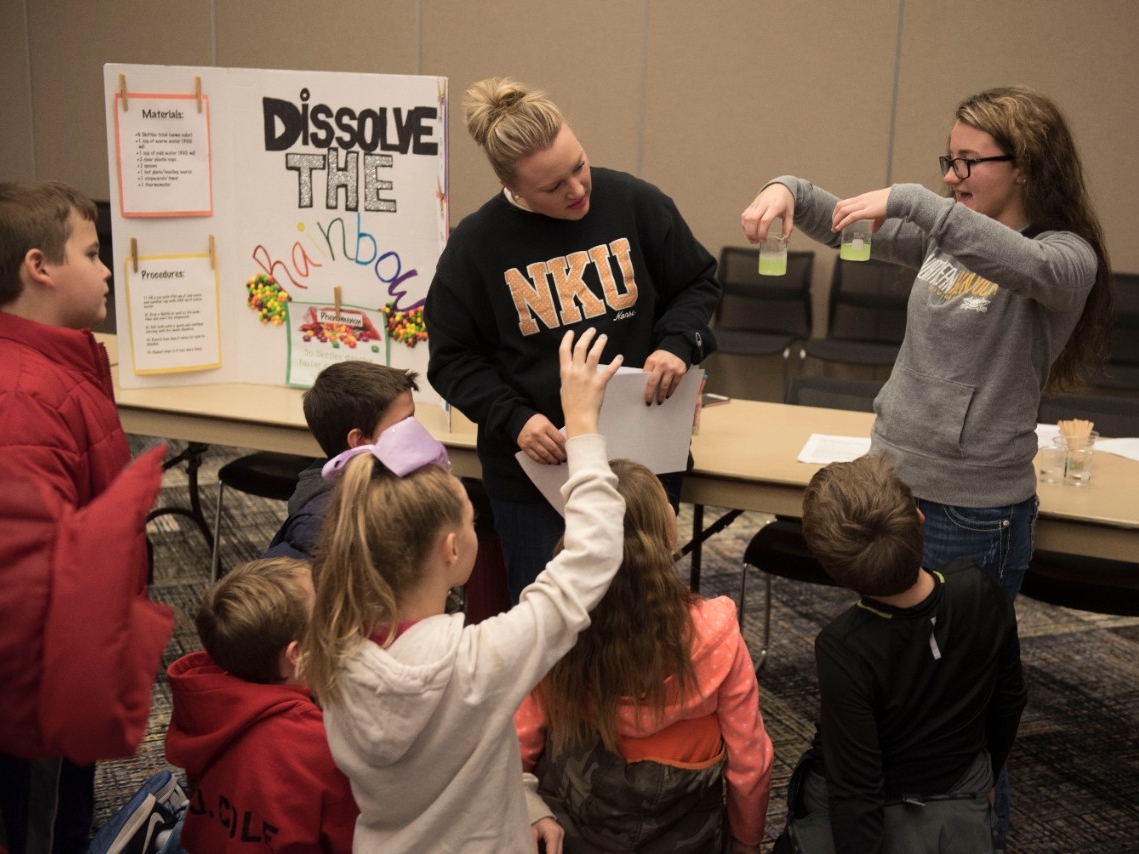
<point>706,100</point>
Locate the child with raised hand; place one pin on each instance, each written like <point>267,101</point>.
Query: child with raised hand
<point>634,739</point>
<point>419,709</point>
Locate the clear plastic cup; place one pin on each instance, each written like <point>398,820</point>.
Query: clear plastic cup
<point>1078,453</point>
<point>856,241</point>
<point>1050,462</point>
<point>773,255</point>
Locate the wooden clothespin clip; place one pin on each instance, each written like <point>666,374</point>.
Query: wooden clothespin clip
<point>198,92</point>
<point>444,210</point>
<point>123,91</point>
<point>336,298</point>
<point>213,256</point>
<point>134,253</point>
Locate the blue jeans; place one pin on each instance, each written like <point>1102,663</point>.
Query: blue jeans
<point>528,534</point>
<point>999,541</point>
<point>46,805</point>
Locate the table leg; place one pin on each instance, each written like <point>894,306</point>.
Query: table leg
<point>191,455</point>
<point>699,535</point>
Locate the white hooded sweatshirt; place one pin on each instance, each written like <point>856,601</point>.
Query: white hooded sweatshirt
<point>424,729</point>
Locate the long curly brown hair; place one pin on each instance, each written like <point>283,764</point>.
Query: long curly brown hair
<point>1031,128</point>
<point>641,632</point>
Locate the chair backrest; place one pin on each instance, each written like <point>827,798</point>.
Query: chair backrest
<point>1123,347</point>
<point>868,301</point>
<point>107,256</point>
<point>853,393</point>
<point>751,302</point>
<point>1114,416</point>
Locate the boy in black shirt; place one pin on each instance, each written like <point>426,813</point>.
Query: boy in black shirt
<point>920,681</point>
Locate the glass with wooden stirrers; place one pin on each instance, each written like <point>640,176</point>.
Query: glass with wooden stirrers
<point>1077,438</point>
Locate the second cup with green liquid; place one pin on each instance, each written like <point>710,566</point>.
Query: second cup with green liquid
<point>856,241</point>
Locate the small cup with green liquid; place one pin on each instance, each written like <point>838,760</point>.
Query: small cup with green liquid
<point>856,241</point>
<point>773,255</point>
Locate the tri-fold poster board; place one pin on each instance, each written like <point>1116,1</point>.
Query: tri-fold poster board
<point>269,223</point>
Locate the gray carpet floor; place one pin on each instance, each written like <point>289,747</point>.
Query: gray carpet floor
<point>1074,768</point>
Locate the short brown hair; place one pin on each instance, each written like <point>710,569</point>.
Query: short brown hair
<point>35,215</point>
<point>861,524</point>
<point>253,613</point>
<point>349,396</point>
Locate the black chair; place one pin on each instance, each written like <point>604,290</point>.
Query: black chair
<point>867,315</point>
<point>852,393</point>
<point>762,315</point>
<point>107,256</point>
<point>778,548</point>
<point>266,474</point>
<point>1121,371</point>
<point>1112,415</point>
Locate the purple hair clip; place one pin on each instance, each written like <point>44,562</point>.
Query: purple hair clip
<point>402,448</point>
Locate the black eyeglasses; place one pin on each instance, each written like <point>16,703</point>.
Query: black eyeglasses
<point>963,166</point>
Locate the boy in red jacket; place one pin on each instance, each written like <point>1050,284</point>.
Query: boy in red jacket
<point>245,727</point>
<point>79,642</point>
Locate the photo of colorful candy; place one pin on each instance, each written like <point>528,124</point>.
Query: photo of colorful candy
<point>330,333</point>
<point>336,327</point>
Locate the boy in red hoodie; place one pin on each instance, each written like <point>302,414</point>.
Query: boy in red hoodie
<point>245,727</point>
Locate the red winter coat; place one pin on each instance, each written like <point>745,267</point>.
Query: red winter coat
<point>80,644</point>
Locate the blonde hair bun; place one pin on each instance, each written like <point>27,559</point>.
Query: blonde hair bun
<point>510,121</point>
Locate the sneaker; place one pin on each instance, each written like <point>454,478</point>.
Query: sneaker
<point>134,829</point>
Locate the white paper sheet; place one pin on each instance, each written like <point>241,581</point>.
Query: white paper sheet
<point>824,449</point>
<point>1120,447</point>
<point>656,436</point>
<point>1045,433</point>
<point>162,143</point>
<point>172,301</point>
